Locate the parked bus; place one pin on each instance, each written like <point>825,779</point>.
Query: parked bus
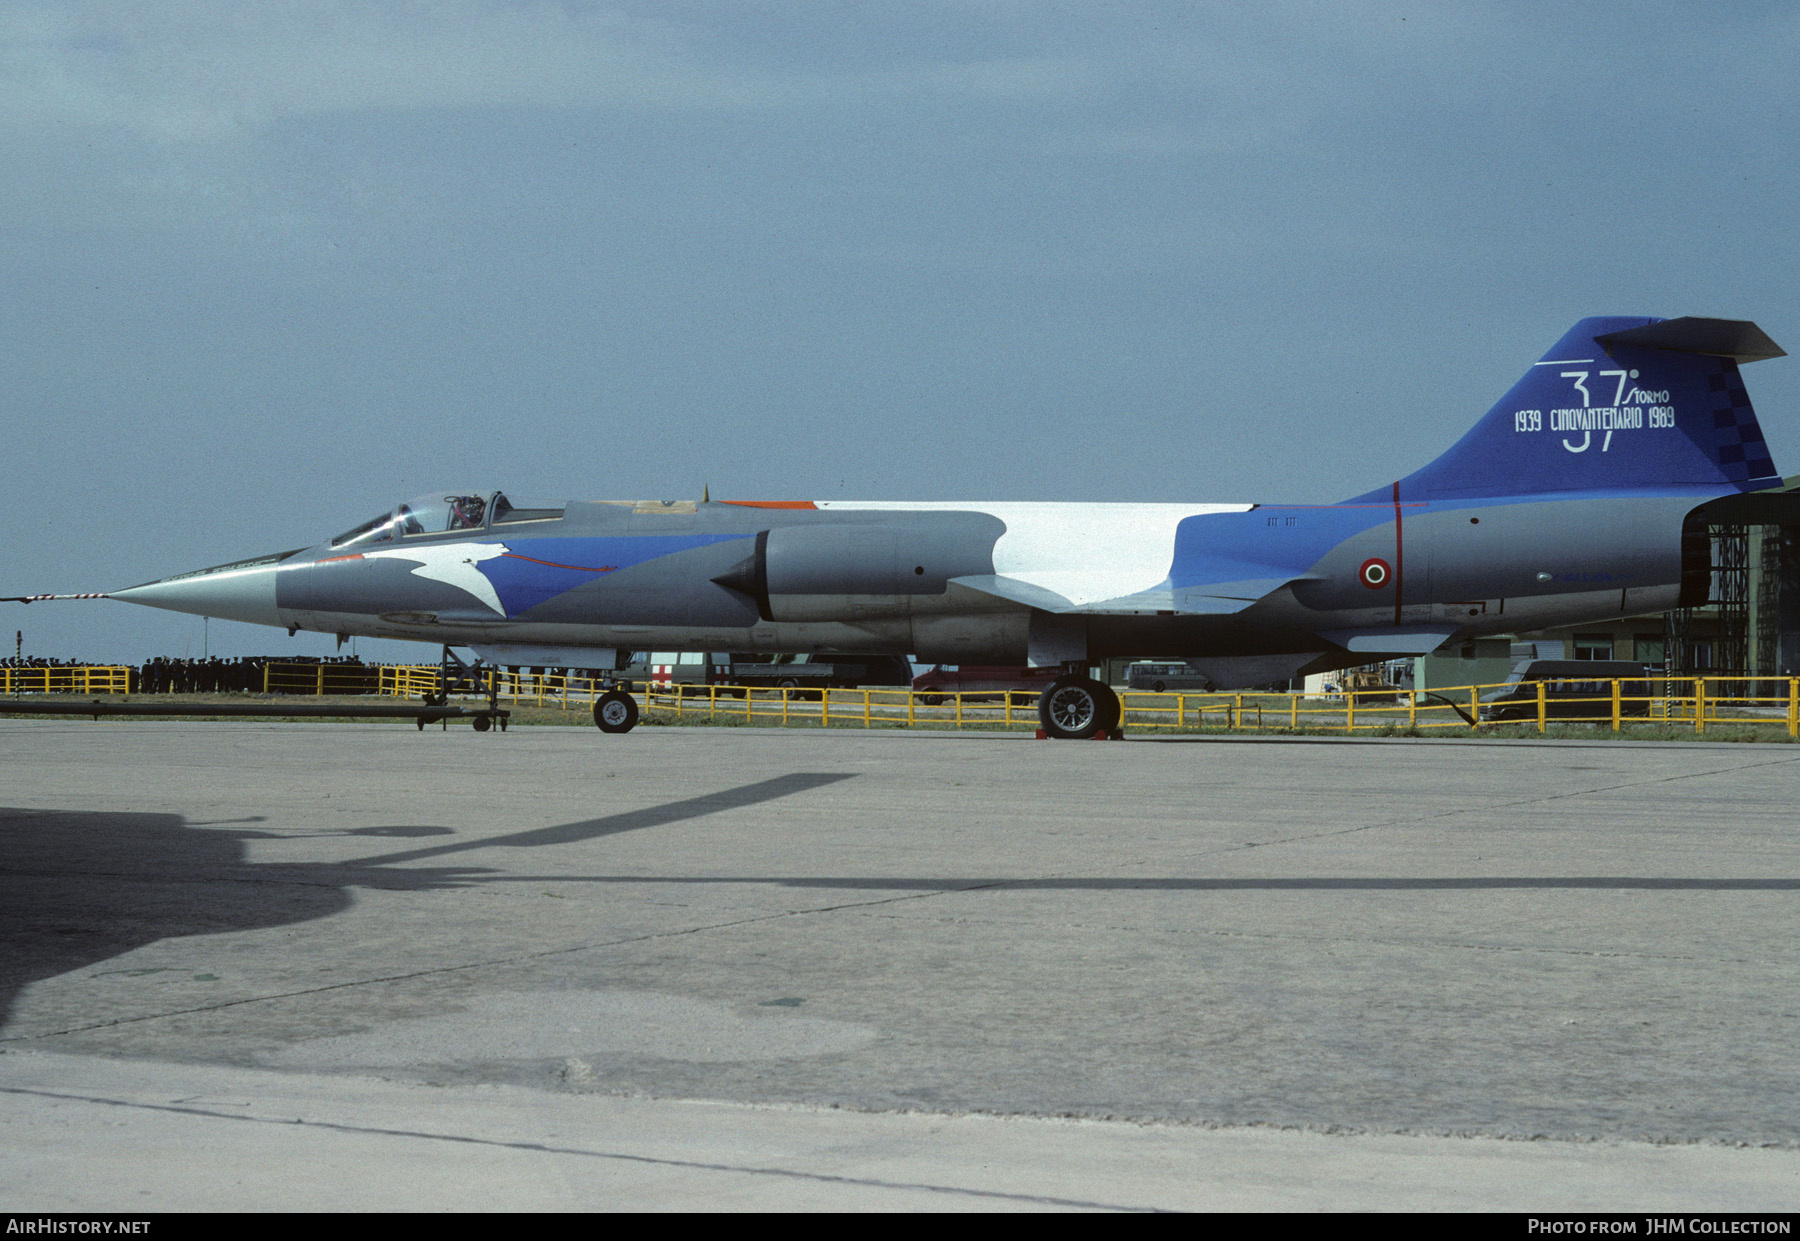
<point>1576,689</point>
<point>1159,676</point>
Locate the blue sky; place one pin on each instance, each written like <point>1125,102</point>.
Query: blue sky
<point>273,267</point>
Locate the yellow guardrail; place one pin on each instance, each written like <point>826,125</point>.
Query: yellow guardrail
<point>865,706</point>
<point>69,679</point>
<point>322,678</point>
<point>1698,703</point>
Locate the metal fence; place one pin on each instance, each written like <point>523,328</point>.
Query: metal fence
<point>68,679</point>
<point>516,688</point>
<point>1696,703</point>
<point>1687,702</point>
<point>323,678</point>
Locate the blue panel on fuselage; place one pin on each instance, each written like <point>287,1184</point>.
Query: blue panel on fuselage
<point>534,570</point>
<point>1264,542</point>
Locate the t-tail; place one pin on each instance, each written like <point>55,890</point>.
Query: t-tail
<point>1645,406</point>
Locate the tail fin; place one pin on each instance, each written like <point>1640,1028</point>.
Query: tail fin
<point>1617,404</point>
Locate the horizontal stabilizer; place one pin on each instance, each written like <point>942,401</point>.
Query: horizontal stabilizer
<point>1737,339</point>
<point>1391,639</point>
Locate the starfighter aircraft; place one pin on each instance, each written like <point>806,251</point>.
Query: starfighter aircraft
<point>1582,495</point>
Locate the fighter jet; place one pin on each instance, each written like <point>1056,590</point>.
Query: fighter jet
<point>1581,495</point>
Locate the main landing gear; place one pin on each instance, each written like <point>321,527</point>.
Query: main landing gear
<point>1076,708</point>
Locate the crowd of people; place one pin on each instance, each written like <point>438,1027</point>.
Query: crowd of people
<point>245,674</point>
<point>345,674</point>
<point>199,676</point>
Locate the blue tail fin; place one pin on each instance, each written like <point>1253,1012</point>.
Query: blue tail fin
<point>1617,404</point>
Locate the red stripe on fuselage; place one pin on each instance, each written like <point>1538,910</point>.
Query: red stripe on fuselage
<point>771,503</point>
<point>579,568</point>
<point>1399,556</point>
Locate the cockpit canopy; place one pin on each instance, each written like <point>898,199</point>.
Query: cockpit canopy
<point>443,512</point>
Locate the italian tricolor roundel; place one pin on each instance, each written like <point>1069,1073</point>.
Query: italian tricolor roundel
<point>1375,573</point>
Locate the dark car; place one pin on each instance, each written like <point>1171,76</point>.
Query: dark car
<point>1574,689</point>
<point>828,669</point>
<point>983,683</point>
<point>692,676</point>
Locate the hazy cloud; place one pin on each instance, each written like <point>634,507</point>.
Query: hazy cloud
<point>195,69</point>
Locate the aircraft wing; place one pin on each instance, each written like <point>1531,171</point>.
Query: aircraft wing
<point>1208,599</point>
<point>1391,639</point>
<point>1015,590</point>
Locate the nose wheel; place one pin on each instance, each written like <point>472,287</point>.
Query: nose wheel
<point>1076,708</point>
<point>615,711</point>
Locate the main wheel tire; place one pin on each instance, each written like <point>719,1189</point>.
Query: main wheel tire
<point>1075,708</point>
<point>616,712</point>
<point>1113,711</point>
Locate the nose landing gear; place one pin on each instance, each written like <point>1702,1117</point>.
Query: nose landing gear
<point>615,711</point>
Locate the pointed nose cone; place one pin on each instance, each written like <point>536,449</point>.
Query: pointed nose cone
<point>241,591</point>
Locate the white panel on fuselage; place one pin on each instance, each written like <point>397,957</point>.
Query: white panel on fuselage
<point>1084,552</point>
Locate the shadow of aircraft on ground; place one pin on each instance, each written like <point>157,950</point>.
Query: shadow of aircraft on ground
<point>1372,883</point>
<point>79,888</point>
<point>625,821</point>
